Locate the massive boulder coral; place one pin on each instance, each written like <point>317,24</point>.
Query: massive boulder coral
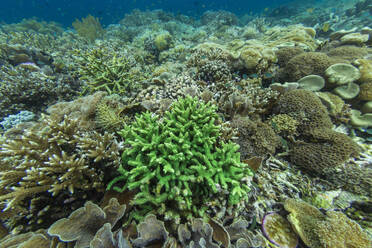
<point>176,164</point>
<point>306,108</point>
<point>325,153</point>
<point>319,149</point>
<point>305,64</point>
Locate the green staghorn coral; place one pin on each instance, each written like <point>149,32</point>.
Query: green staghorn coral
<point>177,164</point>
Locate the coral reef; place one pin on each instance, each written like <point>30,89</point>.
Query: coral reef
<point>326,152</point>
<point>320,150</point>
<point>13,120</point>
<point>306,108</point>
<point>218,121</point>
<point>255,138</point>
<point>33,26</point>
<point>83,110</point>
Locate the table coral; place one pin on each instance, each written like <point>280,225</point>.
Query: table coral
<point>177,163</point>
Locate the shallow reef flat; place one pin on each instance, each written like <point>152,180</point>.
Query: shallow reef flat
<point>168,131</point>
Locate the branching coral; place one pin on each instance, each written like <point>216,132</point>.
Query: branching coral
<point>105,71</point>
<point>53,157</point>
<point>177,164</point>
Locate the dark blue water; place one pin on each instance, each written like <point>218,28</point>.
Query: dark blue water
<point>111,11</point>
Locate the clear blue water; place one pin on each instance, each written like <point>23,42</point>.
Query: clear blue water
<point>111,11</point>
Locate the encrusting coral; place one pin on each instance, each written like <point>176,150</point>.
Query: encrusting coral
<point>53,158</point>
<point>176,164</point>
